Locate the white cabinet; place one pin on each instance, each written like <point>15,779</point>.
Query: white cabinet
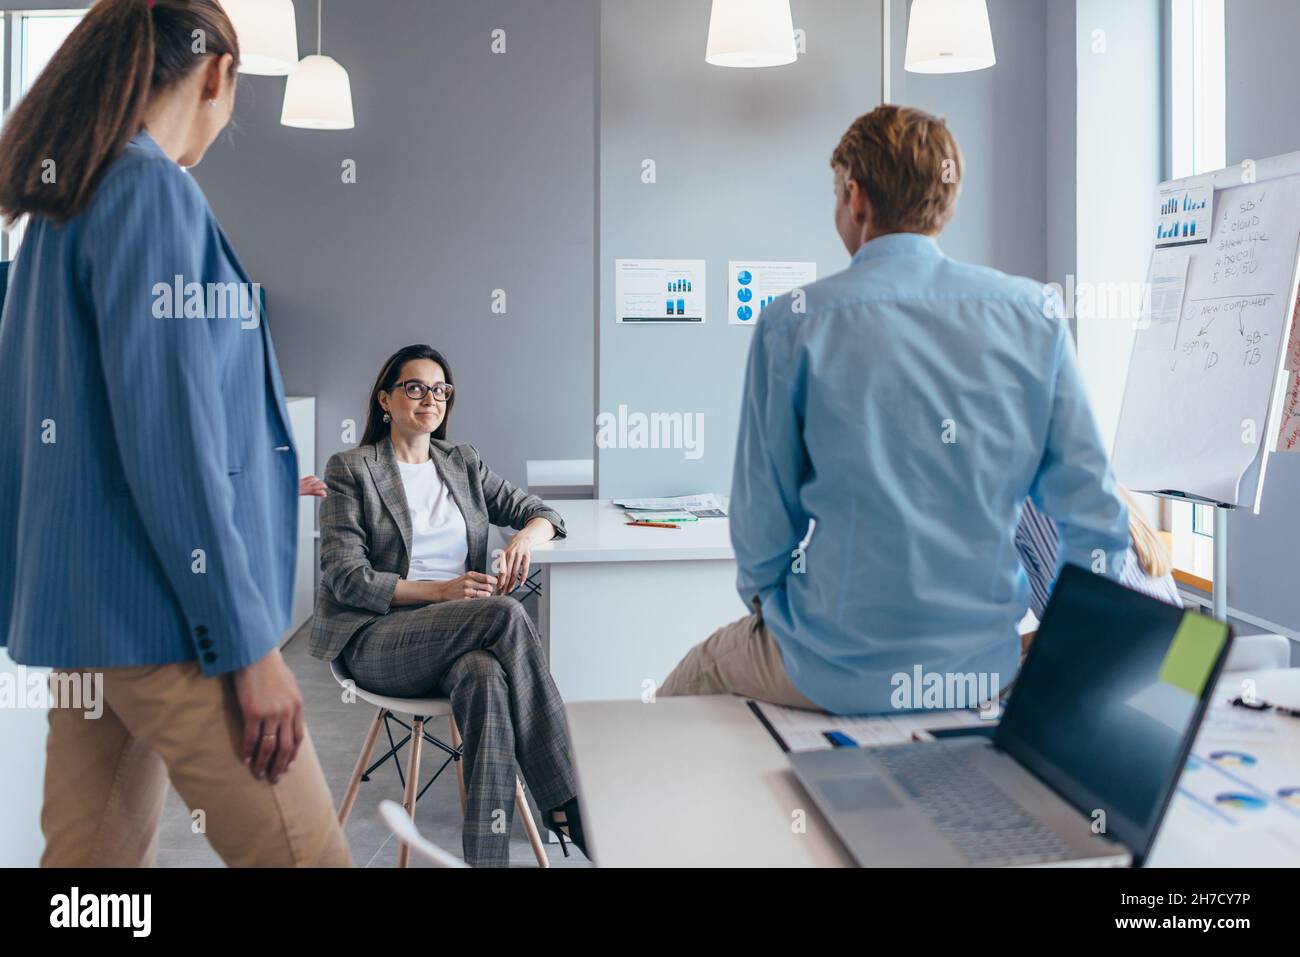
<point>302,421</point>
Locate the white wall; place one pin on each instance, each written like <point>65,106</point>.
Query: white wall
<point>1118,166</point>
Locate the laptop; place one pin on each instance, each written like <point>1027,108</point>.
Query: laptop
<point>1079,771</point>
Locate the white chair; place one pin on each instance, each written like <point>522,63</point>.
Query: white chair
<point>404,829</point>
<point>1258,653</point>
<point>420,711</point>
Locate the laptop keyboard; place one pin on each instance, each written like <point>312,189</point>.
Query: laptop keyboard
<point>976,816</point>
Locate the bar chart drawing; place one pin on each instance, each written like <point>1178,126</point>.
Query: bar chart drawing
<point>659,290</point>
<point>1182,216</point>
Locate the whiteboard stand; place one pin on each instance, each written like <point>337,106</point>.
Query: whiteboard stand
<point>1219,587</point>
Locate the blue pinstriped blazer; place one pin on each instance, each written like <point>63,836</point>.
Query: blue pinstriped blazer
<point>148,479</point>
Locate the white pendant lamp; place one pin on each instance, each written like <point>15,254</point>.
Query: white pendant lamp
<point>751,33</point>
<point>949,36</point>
<point>268,35</point>
<point>318,95</point>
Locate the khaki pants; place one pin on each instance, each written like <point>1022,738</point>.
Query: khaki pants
<point>106,779</point>
<point>741,658</point>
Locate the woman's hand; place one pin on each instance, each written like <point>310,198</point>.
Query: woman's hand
<point>310,485</point>
<point>512,564</point>
<point>468,585</point>
<point>271,705</point>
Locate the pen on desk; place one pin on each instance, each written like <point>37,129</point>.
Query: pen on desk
<point>655,524</point>
<point>1265,706</point>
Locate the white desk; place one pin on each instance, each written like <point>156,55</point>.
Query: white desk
<point>620,605</point>
<point>691,782</point>
<point>699,782</point>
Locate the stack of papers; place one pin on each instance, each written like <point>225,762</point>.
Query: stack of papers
<point>682,506</point>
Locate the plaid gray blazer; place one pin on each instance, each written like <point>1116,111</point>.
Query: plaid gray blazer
<point>365,530</point>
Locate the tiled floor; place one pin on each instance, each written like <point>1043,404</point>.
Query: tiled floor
<point>338,729</point>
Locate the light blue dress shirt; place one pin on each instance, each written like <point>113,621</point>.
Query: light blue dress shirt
<point>909,405</point>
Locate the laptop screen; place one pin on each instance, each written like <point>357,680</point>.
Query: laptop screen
<point>1108,701</point>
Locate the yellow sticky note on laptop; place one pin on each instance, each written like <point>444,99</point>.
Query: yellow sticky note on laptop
<point>1192,653</point>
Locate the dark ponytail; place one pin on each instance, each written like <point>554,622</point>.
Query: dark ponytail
<point>91,98</point>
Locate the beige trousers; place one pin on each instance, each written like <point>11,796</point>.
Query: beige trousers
<point>741,658</point>
<point>106,779</point>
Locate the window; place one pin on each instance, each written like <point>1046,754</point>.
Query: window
<point>29,41</point>
<point>1197,85</point>
<point>1197,144</point>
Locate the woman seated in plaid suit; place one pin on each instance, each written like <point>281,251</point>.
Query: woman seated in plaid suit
<point>407,602</point>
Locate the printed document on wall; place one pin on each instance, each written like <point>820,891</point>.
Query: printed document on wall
<point>659,291</point>
<point>753,285</point>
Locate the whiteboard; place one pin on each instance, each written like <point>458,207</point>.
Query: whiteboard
<point>1203,400</point>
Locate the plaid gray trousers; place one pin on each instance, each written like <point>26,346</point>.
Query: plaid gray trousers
<point>484,654</point>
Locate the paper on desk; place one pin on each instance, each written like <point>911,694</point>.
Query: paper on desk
<point>1238,799</point>
<point>802,730</point>
<point>1225,724</point>
<point>689,503</point>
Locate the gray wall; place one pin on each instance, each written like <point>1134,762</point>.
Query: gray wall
<point>475,172</point>
<point>1263,75</point>
<point>999,117</point>
<point>743,171</point>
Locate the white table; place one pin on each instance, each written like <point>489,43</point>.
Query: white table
<point>620,605</point>
<point>1188,838</point>
<point>691,782</point>
<point>699,782</point>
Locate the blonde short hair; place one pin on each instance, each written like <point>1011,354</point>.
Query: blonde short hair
<point>908,164</point>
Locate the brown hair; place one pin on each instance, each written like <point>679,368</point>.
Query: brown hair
<point>907,163</point>
<point>91,98</point>
<point>376,427</point>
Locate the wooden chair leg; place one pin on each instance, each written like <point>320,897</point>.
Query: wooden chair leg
<point>460,764</point>
<point>530,826</point>
<point>412,784</point>
<point>354,785</point>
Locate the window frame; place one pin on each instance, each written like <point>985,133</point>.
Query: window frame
<point>1196,130</point>
<point>13,48</point>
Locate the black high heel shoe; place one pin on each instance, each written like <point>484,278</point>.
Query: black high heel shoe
<point>572,823</point>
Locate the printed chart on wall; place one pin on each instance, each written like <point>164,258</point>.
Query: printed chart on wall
<point>1203,402</point>
<point>753,286</point>
<point>659,291</point>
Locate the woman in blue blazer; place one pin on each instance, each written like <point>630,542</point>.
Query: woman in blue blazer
<point>147,473</point>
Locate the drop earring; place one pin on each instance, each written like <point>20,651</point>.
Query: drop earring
<point>387,417</point>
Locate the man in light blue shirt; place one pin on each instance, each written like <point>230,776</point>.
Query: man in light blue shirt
<point>904,408</point>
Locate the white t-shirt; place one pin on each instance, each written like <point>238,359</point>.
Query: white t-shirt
<point>438,545</point>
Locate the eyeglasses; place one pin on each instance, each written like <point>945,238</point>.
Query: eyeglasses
<point>415,389</point>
